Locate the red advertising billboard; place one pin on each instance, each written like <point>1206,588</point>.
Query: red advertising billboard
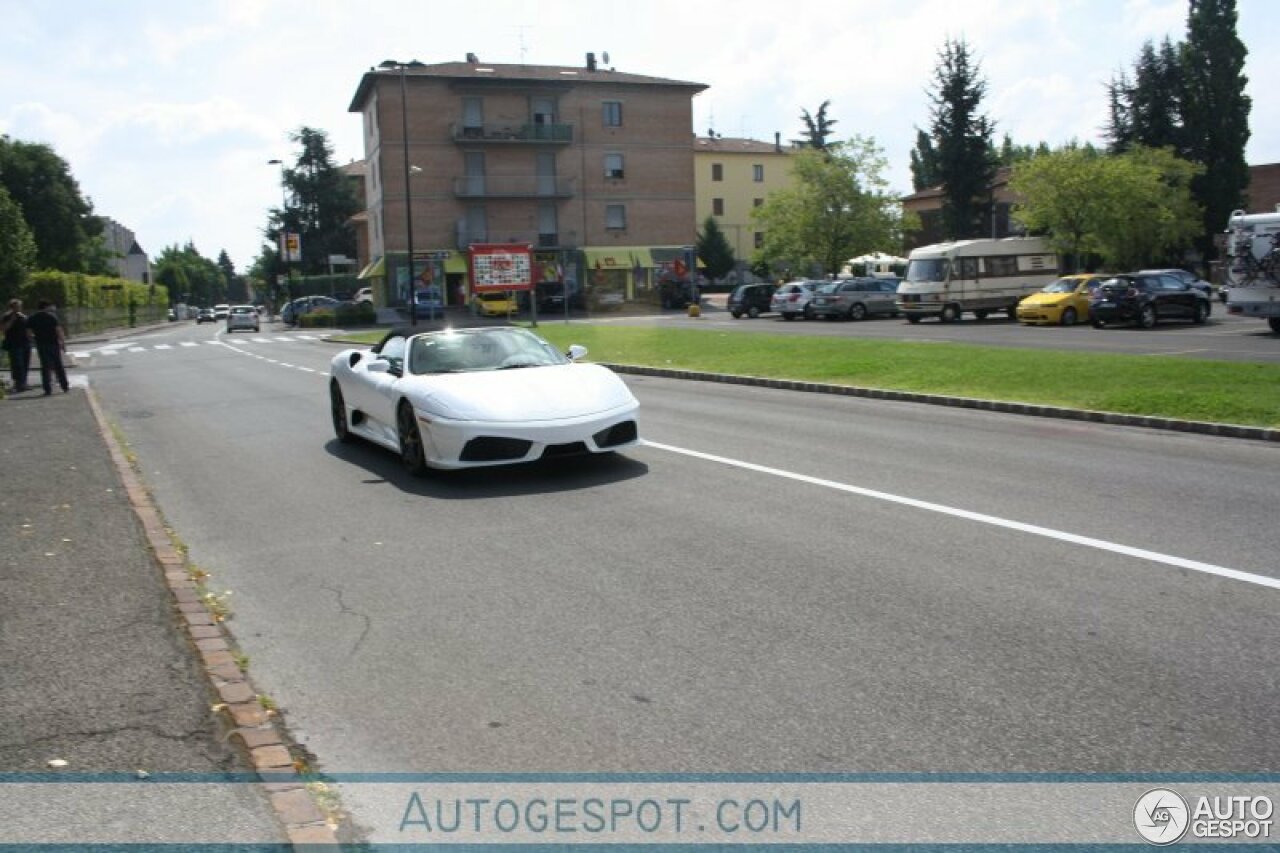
<point>500,266</point>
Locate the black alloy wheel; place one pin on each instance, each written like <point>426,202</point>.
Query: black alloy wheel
<point>1202,313</point>
<point>1147,318</point>
<point>858,311</point>
<point>338,408</point>
<point>411,455</point>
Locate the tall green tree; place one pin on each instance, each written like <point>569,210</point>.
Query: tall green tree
<point>714,249</point>
<point>190,277</point>
<point>237,291</point>
<point>59,217</point>
<point>961,138</point>
<point>1133,209</point>
<point>838,206</point>
<point>1217,111</point>
<point>924,163</point>
<point>17,247</point>
<point>817,128</point>
<point>322,201</point>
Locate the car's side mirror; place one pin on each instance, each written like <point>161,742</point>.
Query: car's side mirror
<point>378,365</point>
<point>576,351</point>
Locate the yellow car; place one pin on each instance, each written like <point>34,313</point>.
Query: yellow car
<point>498,304</point>
<point>1065,302</point>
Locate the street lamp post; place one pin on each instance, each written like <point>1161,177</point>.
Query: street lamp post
<point>408,200</point>
<point>284,228</point>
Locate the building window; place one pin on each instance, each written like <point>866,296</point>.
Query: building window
<point>757,173</point>
<point>759,239</point>
<point>717,172</point>
<point>615,217</point>
<point>477,228</point>
<point>548,227</point>
<point>612,113</point>
<point>613,166</point>
<point>717,207</point>
<point>756,202</point>
<point>472,117</point>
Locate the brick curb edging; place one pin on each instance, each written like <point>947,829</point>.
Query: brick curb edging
<point>1114,418</point>
<point>260,735</point>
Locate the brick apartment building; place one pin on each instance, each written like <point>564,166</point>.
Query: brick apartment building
<point>591,166</point>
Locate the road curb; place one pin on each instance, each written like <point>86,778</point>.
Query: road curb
<point>1035,410</point>
<point>261,736</point>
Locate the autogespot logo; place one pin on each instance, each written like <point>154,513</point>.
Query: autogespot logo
<point>1161,816</point>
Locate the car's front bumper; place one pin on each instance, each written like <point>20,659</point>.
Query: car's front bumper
<point>472,444</point>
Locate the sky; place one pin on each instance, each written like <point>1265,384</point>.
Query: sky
<point>168,111</point>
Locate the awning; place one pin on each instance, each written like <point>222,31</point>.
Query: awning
<point>456,263</point>
<point>671,254</point>
<point>377,269</point>
<point>618,258</point>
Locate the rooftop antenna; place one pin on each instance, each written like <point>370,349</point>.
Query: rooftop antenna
<point>520,28</point>
<point>604,57</point>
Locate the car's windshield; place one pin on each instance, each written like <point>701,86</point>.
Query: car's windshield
<point>467,350</point>
<point>927,269</point>
<point>1062,285</point>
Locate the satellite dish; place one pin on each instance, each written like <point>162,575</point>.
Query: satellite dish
<point>605,57</point>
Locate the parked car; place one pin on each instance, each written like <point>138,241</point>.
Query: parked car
<point>364,294</point>
<point>428,301</point>
<point>1063,302</point>
<point>855,299</point>
<point>1144,300</point>
<point>455,399</point>
<point>221,310</point>
<point>499,304</point>
<point>1186,278</point>
<point>551,298</point>
<point>291,313</point>
<point>242,317</point>
<point>791,300</point>
<point>750,299</point>
<point>205,315</point>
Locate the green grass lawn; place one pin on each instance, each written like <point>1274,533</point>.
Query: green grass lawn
<point>1224,392</point>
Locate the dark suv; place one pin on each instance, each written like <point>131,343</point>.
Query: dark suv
<point>1146,299</point>
<point>750,299</point>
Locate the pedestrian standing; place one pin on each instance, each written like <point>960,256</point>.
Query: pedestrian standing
<point>51,343</point>
<point>17,342</point>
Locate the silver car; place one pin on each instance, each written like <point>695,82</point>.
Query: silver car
<point>242,317</point>
<point>791,300</point>
<point>855,299</point>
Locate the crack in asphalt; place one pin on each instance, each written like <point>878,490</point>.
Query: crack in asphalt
<point>344,609</point>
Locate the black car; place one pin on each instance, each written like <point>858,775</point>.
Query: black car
<point>750,299</point>
<point>206,315</point>
<point>1146,299</point>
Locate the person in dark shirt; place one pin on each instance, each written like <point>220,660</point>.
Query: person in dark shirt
<point>17,342</point>
<point>50,345</point>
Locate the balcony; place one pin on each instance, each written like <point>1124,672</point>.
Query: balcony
<point>523,134</point>
<point>513,186</point>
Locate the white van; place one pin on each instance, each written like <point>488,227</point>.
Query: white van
<point>979,276</point>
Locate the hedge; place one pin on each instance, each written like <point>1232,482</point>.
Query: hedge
<point>88,303</point>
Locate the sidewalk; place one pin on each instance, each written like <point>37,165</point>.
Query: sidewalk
<point>95,672</point>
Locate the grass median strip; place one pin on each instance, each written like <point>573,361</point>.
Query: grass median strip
<point>1244,393</point>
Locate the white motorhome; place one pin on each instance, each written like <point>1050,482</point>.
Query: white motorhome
<point>979,276</point>
<point>1253,266</point>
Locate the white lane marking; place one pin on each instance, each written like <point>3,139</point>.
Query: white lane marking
<point>215,343</point>
<point>285,340</point>
<point>285,364</point>
<point>190,344</point>
<point>162,346</point>
<point>1048,532</point>
<point>309,337</point>
<point>137,349</point>
<point>260,340</point>
<point>307,370</point>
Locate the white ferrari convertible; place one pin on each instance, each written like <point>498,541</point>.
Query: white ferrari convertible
<point>473,397</point>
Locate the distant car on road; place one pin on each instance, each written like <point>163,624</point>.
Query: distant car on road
<point>242,317</point>
<point>750,299</point>
<point>1144,300</point>
<point>221,310</point>
<point>206,315</point>
<point>855,299</point>
<point>1063,302</point>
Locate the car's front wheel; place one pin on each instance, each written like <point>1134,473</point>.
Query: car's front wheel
<point>753,312</point>
<point>411,455</point>
<point>858,311</point>
<point>1068,317</point>
<point>338,409</point>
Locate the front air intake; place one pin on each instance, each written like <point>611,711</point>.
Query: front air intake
<point>620,433</point>
<point>490,449</point>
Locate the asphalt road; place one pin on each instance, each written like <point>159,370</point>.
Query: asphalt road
<point>1224,337</point>
<point>892,587</point>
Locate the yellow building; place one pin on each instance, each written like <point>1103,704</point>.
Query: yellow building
<point>734,176</point>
